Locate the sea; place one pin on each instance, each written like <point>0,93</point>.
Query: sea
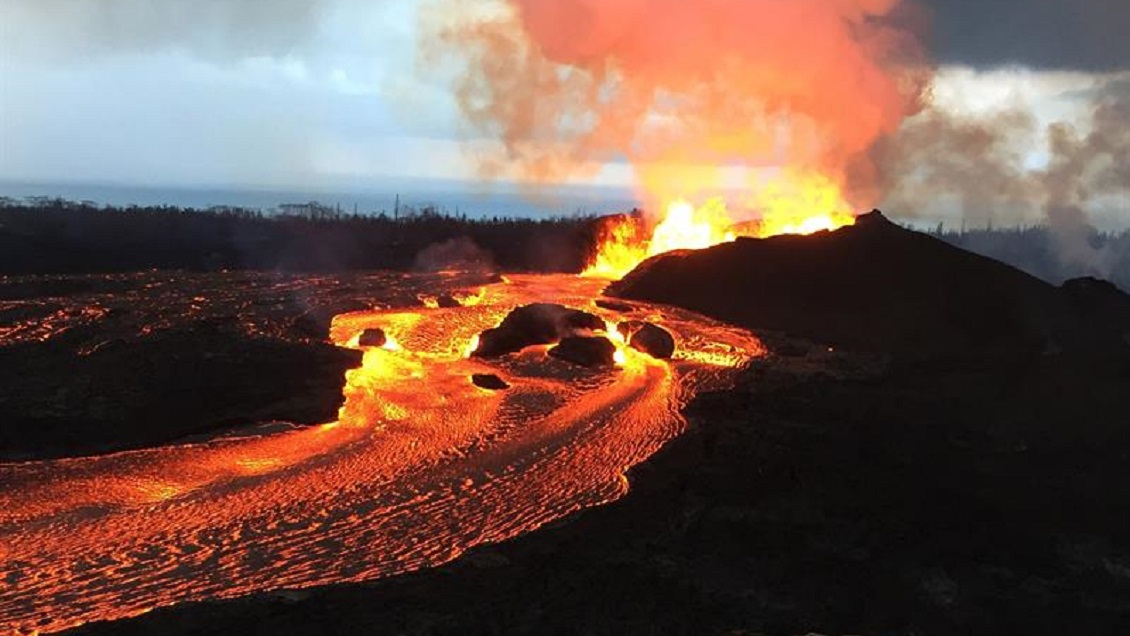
<point>475,200</point>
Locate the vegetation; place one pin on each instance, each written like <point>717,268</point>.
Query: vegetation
<point>44,235</point>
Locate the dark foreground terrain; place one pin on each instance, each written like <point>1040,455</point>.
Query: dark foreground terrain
<point>971,488</point>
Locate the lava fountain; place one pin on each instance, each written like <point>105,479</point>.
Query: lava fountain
<point>796,205</point>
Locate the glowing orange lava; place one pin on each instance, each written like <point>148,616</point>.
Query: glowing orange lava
<point>421,465</point>
<point>790,204</point>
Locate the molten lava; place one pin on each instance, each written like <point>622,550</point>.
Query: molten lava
<point>792,204</point>
<point>420,466</point>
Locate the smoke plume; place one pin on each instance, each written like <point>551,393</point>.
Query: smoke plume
<point>1085,166</point>
<point>977,160</point>
<point>684,91</point>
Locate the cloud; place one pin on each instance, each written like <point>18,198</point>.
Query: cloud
<point>1089,35</point>
<point>68,31</point>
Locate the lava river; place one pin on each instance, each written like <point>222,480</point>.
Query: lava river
<point>421,465</point>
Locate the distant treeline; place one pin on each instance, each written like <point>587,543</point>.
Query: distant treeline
<point>45,235</point>
<point>1037,251</point>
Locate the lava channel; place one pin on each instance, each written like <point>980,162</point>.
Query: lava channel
<point>421,465</point>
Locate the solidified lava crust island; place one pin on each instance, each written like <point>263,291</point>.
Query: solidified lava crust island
<point>421,465</point>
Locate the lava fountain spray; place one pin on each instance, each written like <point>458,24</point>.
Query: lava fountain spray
<point>770,108</point>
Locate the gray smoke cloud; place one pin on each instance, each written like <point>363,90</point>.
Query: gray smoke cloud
<point>977,160</point>
<point>66,31</point>
<point>984,162</point>
<point>1083,166</point>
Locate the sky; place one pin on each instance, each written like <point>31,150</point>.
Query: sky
<point>330,93</point>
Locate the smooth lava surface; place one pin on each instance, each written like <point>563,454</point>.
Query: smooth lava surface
<point>421,465</point>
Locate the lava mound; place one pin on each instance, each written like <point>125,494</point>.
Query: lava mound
<point>876,286</point>
<point>536,324</point>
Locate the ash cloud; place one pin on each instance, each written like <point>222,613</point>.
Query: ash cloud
<point>979,160</point>
<point>58,31</point>
<point>841,88</point>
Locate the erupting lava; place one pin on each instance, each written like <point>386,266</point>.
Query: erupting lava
<point>783,101</point>
<point>786,206</point>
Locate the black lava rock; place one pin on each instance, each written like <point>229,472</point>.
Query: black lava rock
<point>878,287</point>
<point>651,339</point>
<point>447,301</point>
<point>586,351</point>
<point>373,337</point>
<point>489,381</point>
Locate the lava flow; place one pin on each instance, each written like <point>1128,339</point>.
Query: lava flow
<point>421,465</point>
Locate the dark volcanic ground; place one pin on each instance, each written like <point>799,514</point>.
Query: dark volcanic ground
<point>98,363</point>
